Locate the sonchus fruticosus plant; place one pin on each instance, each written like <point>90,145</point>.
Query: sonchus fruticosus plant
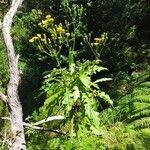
<point>69,90</point>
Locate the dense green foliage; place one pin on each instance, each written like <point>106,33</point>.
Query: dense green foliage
<point>85,60</point>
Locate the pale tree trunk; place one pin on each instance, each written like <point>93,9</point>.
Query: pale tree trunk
<point>15,108</point>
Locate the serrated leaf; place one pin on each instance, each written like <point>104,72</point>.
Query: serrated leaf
<point>95,131</point>
<point>87,110</point>
<point>105,97</point>
<point>86,81</point>
<point>99,69</point>
<point>68,100</point>
<point>103,80</point>
<point>95,118</point>
<point>95,85</point>
<point>76,93</point>
<point>52,98</point>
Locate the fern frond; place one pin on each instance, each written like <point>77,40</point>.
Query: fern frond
<point>137,106</point>
<point>105,97</point>
<point>142,123</point>
<point>145,84</point>
<point>144,113</point>
<point>141,90</point>
<point>143,98</point>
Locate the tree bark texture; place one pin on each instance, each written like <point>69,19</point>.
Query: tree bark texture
<point>15,108</point>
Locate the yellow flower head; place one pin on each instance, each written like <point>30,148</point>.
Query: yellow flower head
<point>60,28</point>
<point>44,40</point>
<point>101,40</point>
<point>97,39</point>
<point>35,38</point>
<point>39,35</point>
<point>31,40</point>
<point>95,43</point>
<point>48,17</point>
<point>51,20</point>
<point>44,22</point>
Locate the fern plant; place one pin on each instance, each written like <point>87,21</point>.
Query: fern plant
<point>140,115</point>
<point>134,107</point>
<point>133,114</point>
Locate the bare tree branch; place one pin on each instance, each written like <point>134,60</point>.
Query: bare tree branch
<point>52,118</point>
<point>6,118</point>
<point>39,128</point>
<point>43,129</point>
<point>3,97</point>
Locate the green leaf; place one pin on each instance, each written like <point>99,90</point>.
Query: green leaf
<point>95,118</point>
<point>52,98</point>
<point>76,93</point>
<point>103,80</point>
<point>68,100</point>
<point>87,110</point>
<point>95,131</point>
<point>86,81</point>
<point>105,97</point>
<point>71,62</point>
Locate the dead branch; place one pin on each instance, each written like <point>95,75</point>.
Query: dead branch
<point>52,118</point>
<point>43,129</point>
<point>13,101</point>
<point>33,126</point>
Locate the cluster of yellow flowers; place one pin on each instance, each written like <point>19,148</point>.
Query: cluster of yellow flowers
<point>60,28</point>
<point>38,37</point>
<point>56,31</point>
<point>101,40</point>
<point>48,20</point>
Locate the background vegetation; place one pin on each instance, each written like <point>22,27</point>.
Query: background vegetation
<point>86,60</point>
